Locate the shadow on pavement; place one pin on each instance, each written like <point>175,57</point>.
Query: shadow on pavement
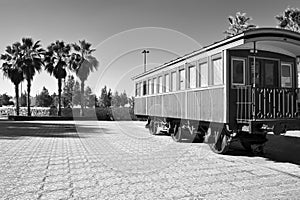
<point>277,149</point>
<point>16,130</point>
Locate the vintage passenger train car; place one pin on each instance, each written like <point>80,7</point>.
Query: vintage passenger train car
<point>239,88</point>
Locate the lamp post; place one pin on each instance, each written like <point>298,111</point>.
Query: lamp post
<point>145,54</point>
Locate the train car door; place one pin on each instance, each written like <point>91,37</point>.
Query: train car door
<point>266,77</point>
<point>266,73</point>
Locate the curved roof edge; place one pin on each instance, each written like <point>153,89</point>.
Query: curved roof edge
<point>271,32</point>
<point>249,34</point>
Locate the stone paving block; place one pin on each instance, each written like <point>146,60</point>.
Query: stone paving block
<point>25,196</point>
<point>55,195</point>
<point>57,178</point>
<point>84,183</point>
<point>86,193</point>
<point>59,185</point>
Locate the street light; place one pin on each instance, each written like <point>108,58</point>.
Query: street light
<point>145,52</point>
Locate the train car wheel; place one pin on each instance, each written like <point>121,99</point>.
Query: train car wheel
<point>152,127</point>
<point>221,144</point>
<point>177,135</point>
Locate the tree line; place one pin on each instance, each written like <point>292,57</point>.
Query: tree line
<point>71,96</point>
<point>22,60</point>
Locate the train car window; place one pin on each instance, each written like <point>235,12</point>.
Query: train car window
<point>203,74</point>
<point>150,87</point>
<point>154,85</point>
<point>173,81</point>
<point>298,72</point>
<point>181,79</point>
<point>217,68</point>
<point>269,74</point>
<point>192,76</point>
<point>144,87</point>
<point>286,75</point>
<point>266,72</point>
<point>160,84</point>
<point>136,89</point>
<point>238,71</point>
<point>167,81</point>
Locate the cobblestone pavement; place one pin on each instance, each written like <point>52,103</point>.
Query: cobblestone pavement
<point>120,160</point>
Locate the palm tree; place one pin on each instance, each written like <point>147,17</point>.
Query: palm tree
<point>31,63</point>
<point>289,19</point>
<point>56,63</point>
<point>12,70</point>
<point>238,24</point>
<point>82,62</point>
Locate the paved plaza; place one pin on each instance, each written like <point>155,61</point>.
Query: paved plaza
<point>120,160</point>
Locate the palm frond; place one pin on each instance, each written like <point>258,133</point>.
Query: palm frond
<point>28,42</point>
<point>93,61</point>
<point>76,47</point>
<point>49,68</point>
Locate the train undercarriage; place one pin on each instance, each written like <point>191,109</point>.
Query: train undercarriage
<point>252,135</point>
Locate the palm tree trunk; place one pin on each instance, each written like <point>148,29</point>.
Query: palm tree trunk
<point>82,98</point>
<point>28,97</point>
<point>59,96</point>
<point>17,99</point>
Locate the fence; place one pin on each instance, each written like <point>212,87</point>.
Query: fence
<point>267,103</point>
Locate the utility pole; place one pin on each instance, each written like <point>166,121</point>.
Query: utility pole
<point>145,55</point>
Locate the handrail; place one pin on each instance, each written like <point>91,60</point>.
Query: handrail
<point>254,103</point>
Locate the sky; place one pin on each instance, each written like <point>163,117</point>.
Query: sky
<point>120,29</point>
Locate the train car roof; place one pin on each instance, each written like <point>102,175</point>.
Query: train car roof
<point>258,34</point>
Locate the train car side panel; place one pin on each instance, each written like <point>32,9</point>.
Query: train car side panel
<point>140,106</point>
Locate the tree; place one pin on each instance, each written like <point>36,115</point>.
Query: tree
<point>68,91</point>
<point>12,68</point>
<point>5,100</point>
<point>82,62</point>
<point>123,99</point>
<point>31,62</point>
<point>116,100</point>
<point>56,63</point>
<point>23,99</point>
<point>289,19</point>
<point>89,98</point>
<point>54,97</point>
<point>105,97</point>
<point>131,102</point>
<point>76,98</point>
<point>44,99</point>
<point>238,24</point>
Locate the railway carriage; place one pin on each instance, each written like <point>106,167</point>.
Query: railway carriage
<point>239,88</point>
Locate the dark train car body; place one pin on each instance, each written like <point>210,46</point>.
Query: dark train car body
<point>218,93</point>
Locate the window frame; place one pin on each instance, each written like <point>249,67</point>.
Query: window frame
<point>203,62</point>
<point>189,66</point>
<point>145,87</point>
<point>173,82</point>
<point>215,58</point>
<point>155,90</point>
<point>179,79</point>
<point>150,85</point>
<point>291,73</point>
<point>167,87</point>
<point>244,70</point>
<point>137,89</point>
<point>160,81</point>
